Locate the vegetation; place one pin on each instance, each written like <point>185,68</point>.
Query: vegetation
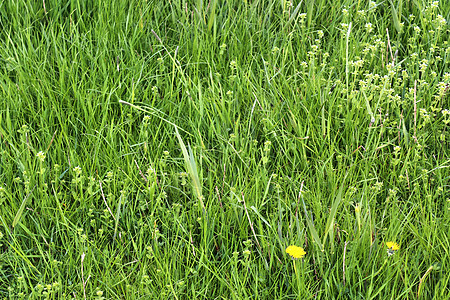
<point>175,149</point>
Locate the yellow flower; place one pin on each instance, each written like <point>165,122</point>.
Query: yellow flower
<point>392,247</point>
<point>295,252</point>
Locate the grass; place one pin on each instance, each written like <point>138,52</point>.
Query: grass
<point>175,149</point>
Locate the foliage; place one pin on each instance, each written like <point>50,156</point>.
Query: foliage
<point>175,149</point>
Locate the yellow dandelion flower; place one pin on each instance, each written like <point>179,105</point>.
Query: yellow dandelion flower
<point>392,247</point>
<point>295,252</point>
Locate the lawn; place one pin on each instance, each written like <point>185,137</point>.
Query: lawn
<point>241,149</point>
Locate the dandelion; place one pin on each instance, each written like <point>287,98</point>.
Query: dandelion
<point>295,251</point>
<point>392,247</point>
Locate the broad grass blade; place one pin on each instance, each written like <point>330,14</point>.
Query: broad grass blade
<point>21,208</point>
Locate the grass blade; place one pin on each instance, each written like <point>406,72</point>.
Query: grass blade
<point>21,208</point>
<point>191,167</point>
<point>117,217</point>
<point>330,221</point>
<point>311,227</point>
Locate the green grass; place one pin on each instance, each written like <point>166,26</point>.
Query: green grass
<point>174,149</point>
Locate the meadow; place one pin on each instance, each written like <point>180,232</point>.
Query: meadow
<point>194,149</point>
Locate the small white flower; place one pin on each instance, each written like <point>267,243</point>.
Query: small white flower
<point>41,156</point>
<point>320,33</point>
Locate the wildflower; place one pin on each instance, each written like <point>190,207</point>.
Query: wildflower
<point>392,247</point>
<point>146,119</point>
<point>41,156</point>
<point>369,27</point>
<point>223,47</point>
<point>446,77</point>
<point>77,170</point>
<point>248,243</point>
<point>320,33</point>
<point>361,13</point>
<point>295,252</point>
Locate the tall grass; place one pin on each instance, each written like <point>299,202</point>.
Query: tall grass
<point>174,149</point>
